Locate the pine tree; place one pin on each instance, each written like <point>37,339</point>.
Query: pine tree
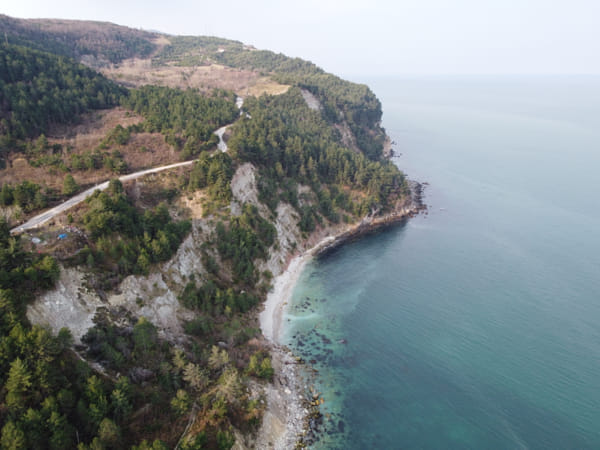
<point>69,185</point>
<point>13,437</point>
<point>17,385</point>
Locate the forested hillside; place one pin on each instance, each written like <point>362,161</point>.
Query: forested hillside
<point>38,89</point>
<point>167,271</point>
<point>341,100</point>
<point>104,42</point>
<point>292,144</point>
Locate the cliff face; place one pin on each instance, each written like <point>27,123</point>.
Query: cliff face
<point>308,162</point>
<point>73,303</point>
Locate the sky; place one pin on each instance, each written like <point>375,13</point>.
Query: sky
<point>373,37</point>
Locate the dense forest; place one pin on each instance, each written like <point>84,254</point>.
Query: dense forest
<point>39,89</point>
<point>288,141</point>
<point>105,42</point>
<point>45,387</point>
<point>147,386</point>
<point>126,240</point>
<point>187,118</point>
<point>52,399</point>
<point>341,100</point>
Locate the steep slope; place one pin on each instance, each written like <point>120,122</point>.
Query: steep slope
<point>39,89</point>
<point>162,277</point>
<point>95,43</point>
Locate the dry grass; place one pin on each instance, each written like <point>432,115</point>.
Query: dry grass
<point>266,85</point>
<point>139,72</point>
<point>160,41</point>
<point>144,150</point>
<point>192,204</point>
<point>93,126</point>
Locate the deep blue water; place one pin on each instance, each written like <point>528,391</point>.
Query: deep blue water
<point>477,325</point>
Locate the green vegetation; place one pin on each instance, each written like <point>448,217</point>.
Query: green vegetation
<point>53,400</point>
<point>248,237</point>
<point>192,50</point>
<point>260,366</point>
<point>117,136</point>
<point>47,394</point>
<point>266,61</point>
<point>39,89</point>
<point>126,237</point>
<point>214,173</point>
<point>70,187</point>
<point>340,100</point>
<point>178,383</point>
<point>214,301</point>
<point>40,153</point>
<point>187,118</point>
<point>29,196</point>
<point>151,388</point>
<point>104,42</point>
<point>98,159</point>
<point>289,142</point>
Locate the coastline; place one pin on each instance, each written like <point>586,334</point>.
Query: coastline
<point>286,420</point>
<point>283,286</point>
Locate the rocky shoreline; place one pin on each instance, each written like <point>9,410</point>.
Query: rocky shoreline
<point>292,418</point>
<point>373,224</point>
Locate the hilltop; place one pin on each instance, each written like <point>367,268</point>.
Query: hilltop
<point>131,318</point>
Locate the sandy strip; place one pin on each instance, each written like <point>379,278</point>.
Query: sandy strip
<point>283,287</point>
<point>285,417</point>
<point>279,297</point>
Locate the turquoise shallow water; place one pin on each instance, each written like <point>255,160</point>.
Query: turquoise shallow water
<point>478,324</point>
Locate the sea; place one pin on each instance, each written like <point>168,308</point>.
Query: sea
<point>475,325</point>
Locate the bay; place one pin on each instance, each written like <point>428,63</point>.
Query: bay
<point>476,325</point>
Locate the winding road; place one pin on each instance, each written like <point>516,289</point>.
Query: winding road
<point>44,217</point>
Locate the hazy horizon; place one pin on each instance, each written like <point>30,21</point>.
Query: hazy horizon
<point>379,37</point>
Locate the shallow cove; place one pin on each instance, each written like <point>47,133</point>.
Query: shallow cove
<point>475,326</point>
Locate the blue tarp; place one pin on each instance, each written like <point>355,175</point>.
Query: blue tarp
<point>62,236</point>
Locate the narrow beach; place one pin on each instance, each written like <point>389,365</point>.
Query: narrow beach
<point>284,419</point>
<point>283,287</point>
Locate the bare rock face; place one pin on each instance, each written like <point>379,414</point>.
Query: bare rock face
<point>288,237</point>
<point>70,304</point>
<point>187,261</point>
<point>312,101</point>
<point>348,138</point>
<point>151,298</point>
<point>243,188</point>
<point>73,305</point>
<point>155,296</point>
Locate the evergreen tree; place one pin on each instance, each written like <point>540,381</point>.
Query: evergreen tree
<point>17,385</point>
<point>70,187</point>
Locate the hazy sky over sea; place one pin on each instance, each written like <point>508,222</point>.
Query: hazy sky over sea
<point>368,37</point>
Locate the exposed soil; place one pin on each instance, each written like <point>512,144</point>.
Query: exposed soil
<point>143,150</point>
<point>139,72</point>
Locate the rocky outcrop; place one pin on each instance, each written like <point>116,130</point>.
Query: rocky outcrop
<point>347,136</point>
<point>311,101</point>
<point>73,305</point>
<point>373,223</point>
<point>244,189</point>
<point>70,304</point>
